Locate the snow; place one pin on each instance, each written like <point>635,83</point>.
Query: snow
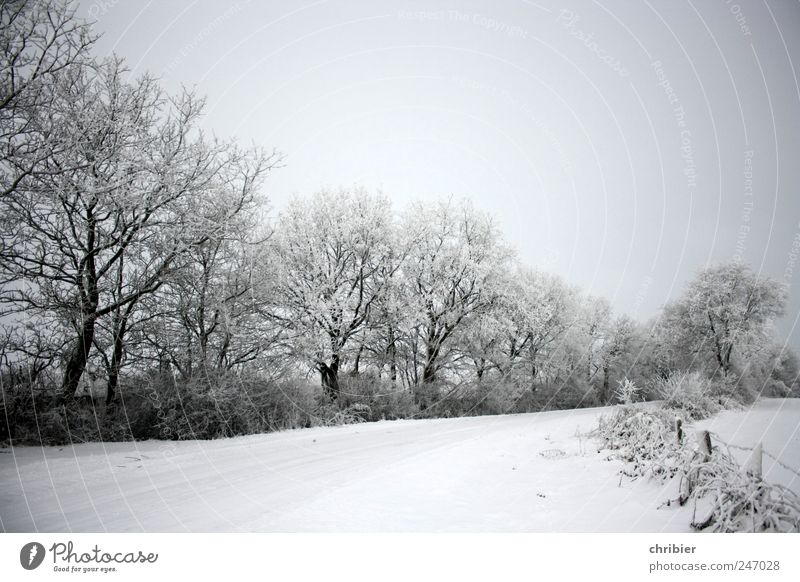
<point>514,473</point>
<point>776,424</point>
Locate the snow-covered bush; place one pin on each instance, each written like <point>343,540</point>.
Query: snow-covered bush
<point>776,389</point>
<point>22,399</point>
<point>690,393</point>
<point>645,438</point>
<point>729,498</point>
<point>627,392</point>
<point>570,393</point>
<point>477,398</point>
<point>495,397</point>
<point>330,414</point>
<point>371,398</point>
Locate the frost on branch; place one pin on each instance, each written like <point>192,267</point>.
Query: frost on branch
<point>731,498</point>
<point>645,439</point>
<point>627,392</point>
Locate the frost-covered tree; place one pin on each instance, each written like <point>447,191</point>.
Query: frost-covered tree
<point>549,314</point>
<point>595,318</point>
<point>385,341</point>
<point>480,341</point>
<point>455,257</point>
<point>724,309</point>
<point>114,204</point>
<point>210,315</point>
<point>770,368</point>
<point>520,334</point>
<point>42,44</point>
<point>614,352</point>
<point>334,255</point>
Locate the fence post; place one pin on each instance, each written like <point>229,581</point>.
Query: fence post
<point>704,439</point>
<point>754,464</point>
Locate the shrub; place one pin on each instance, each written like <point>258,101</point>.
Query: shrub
<point>644,437</point>
<point>732,498</point>
<point>776,389</point>
<point>369,398</point>
<point>500,397</point>
<point>568,394</point>
<point>280,405</point>
<point>627,392</point>
<point>690,393</point>
<point>25,397</point>
<point>230,405</point>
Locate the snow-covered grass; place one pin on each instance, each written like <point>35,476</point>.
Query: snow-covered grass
<point>726,494</point>
<point>527,472</point>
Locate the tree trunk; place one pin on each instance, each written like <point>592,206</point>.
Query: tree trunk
<point>392,356</point>
<point>116,361</point>
<point>429,373</point>
<point>604,392</point>
<point>430,369</point>
<point>329,374</point>
<point>727,359</point>
<point>89,299</point>
<point>76,364</point>
<point>357,361</point>
<point>120,328</point>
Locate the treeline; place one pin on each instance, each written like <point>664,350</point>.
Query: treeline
<point>146,293</point>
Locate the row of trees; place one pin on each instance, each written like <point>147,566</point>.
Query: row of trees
<point>109,192</point>
<point>132,243</point>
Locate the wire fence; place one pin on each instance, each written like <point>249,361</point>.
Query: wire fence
<point>766,453</point>
<point>727,495</point>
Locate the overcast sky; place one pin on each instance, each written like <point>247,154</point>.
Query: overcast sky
<point>623,145</point>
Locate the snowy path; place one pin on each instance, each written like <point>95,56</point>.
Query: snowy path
<point>528,472</point>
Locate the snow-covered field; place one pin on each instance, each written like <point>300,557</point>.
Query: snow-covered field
<point>528,472</point>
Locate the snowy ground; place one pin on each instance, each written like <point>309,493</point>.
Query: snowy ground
<point>529,472</point>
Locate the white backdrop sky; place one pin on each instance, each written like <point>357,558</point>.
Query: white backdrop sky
<point>613,141</point>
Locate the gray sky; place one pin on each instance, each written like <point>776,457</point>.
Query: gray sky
<point>622,145</point>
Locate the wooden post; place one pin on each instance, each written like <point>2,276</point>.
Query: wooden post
<point>684,490</point>
<point>753,465</point>
<point>704,440</point>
